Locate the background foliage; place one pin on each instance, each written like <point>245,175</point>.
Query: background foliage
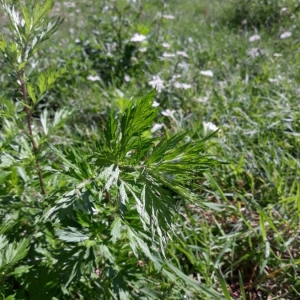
<point>136,200</point>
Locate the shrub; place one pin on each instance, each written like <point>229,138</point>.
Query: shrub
<point>86,222</point>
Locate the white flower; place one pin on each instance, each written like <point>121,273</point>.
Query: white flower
<point>272,80</point>
<point>285,35</point>
<point>167,55</point>
<point>156,127</point>
<point>207,73</point>
<point>254,52</point>
<point>155,104</point>
<point>254,38</point>
<point>93,78</point>
<point>127,78</point>
<point>168,113</point>
<point>157,83</point>
<point>182,53</point>
<point>184,86</point>
<point>277,54</point>
<point>143,49</point>
<point>138,38</point>
<point>176,76</point>
<point>165,45</point>
<point>169,17</point>
<point>203,99</point>
<point>209,126</point>
<point>183,65</point>
<point>177,85</point>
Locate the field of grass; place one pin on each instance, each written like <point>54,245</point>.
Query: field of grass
<point>231,65</point>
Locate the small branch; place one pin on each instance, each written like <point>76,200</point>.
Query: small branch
<point>28,117</point>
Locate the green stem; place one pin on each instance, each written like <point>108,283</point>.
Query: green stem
<point>33,142</point>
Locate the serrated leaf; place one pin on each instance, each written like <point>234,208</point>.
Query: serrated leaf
<point>3,176</point>
<point>12,253</point>
<point>19,271</point>
<point>111,133</point>
<point>137,119</point>
<point>106,253</point>
<point>27,18</point>
<point>73,235</point>
<point>44,121</point>
<point>31,93</point>
<point>110,175</point>
<point>22,65</point>
<point>137,243</point>
<point>41,10</point>
<point>122,193</point>
<point>124,295</point>
<point>3,242</point>
<point>116,228</point>
<point>10,297</point>
<point>42,84</point>
<point>61,116</point>
<point>163,147</point>
<point>3,44</point>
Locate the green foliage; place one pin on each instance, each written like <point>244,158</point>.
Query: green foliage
<point>259,13</point>
<point>11,253</point>
<point>117,193</point>
<point>100,210</point>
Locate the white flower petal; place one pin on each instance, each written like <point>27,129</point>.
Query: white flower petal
<point>254,52</point>
<point>285,35</point>
<point>209,126</point>
<point>155,104</point>
<point>182,53</point>
<point>127,78</point>
<point>165,45</point>
<point>177,85</point>
<point>138,38</point>
<point>272,80</point>
<point>167,55</point>
<point>157,83</point>
<point>186,86</point>
<point>203,99</point>
<point>207,73</point>
<point>156,127</point>
<point>254,38</point>
<point>169,17</point>
<point>93,78</point>
<point>168,112</point>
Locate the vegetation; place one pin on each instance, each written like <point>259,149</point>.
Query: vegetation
<point>149,149</point>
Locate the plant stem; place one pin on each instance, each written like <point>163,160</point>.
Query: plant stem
<point>28,116</point>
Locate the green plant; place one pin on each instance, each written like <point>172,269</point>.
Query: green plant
<point>259,13</point>
<point>98,218</point>
<point>241,234</point>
